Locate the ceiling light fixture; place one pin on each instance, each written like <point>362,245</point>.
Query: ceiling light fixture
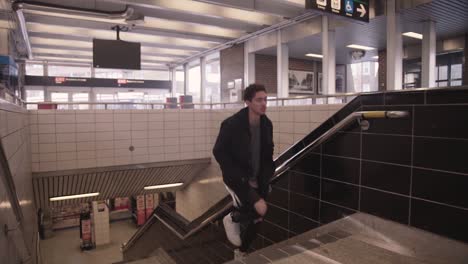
<point>76,196</point>
<point>313,55</point>
<point>413,35</point>
<point>163,186</point>
<point>375,57</point>
<point>360,47</point>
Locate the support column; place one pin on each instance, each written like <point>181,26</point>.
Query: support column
<point>45,68</point>
<point>249,65</point>
<point>186,78</point>
<point>428,55</point>
<point>47,95</point>
<point>329,57</point>
<point>92,98</point>
<point>172,74</point>
<point>282,67</point>
<point>202,79</point>
<point>394,48</point>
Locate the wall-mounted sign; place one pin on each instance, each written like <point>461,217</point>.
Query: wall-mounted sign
<point>355,9</point>
<point>95,82</point>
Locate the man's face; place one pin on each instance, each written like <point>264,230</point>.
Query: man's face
<point>258,103</point>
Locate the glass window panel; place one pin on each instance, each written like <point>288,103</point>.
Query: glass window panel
<point>456,83</point>
<point>179,89</point>
<point>213,82</point>
<point>130,96</point>
<point>366,87</point>
<point>131,74</point>
<point>442,72</point>
<point>362,77</point>
<point>34,69</point>
<point>69,71</point>
<point>456,71</point>
<point>100,97</point>
<point>34,96</point>
<point>80,97</point>
<point>194,84</point>
<point>441,84</point>
<point>59,97</point>
<point>366,68</point>
<point>108,73</point>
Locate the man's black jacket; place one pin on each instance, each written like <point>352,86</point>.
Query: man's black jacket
<point>233,153</point>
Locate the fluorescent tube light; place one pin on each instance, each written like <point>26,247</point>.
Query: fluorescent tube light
<point>375,57</point>
<point>355,46</point>
<point>313,55</point>
<point>162,186</point>
<point>76,196</point>
<point>413,35</point>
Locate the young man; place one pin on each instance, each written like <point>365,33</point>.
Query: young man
<point>244,151</point>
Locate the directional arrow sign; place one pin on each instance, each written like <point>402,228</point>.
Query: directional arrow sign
<point>353,9</point>
<point>361,9</point>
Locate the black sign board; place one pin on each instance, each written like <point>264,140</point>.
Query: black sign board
<point>96,82</point>
<point>355,9</point>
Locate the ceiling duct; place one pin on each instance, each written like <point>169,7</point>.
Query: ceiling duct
<point>128,15</point>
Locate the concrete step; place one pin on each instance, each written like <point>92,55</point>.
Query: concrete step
<point>162,256</point>
<point>150,260</point>
<point>363,239</point>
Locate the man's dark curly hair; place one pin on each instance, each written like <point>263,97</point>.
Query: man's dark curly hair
<point>251,90</point>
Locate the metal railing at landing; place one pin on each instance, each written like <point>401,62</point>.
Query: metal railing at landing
<point>10,97</point>
<point>341,98</point>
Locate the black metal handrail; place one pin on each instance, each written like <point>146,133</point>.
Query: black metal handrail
<point>185,231</point>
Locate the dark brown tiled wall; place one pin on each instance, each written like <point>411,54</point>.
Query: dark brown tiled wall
<point>232,67</point>
<point>382,72</point>
<point>413,171</point>
<point>265,72</point>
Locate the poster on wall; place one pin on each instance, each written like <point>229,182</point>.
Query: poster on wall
<point>301,82</point>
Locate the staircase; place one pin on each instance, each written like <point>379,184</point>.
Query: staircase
<point>363,239</point>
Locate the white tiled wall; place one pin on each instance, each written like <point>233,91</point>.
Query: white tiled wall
<point>14,134</point>
<point>292,123</point>
<point>67,139</point>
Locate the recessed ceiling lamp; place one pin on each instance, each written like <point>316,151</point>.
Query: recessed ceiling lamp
<point>360,47</point>
<point>163,186</point>
<point>76,196</point>
<point>313,55</point>
<point>413,35</point>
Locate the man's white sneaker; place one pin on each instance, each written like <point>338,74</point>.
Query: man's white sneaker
<point>232,230</point>
<point>239,255</point>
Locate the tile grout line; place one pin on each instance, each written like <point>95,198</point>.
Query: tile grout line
<point>412,168</point>
<point>371,188</point>
<point>360,170</point>
<point>320,186</point>
<point>389,163</point>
